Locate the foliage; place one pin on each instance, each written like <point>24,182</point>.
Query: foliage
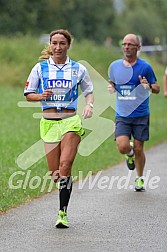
<point>21,53</point>
<point>17,56</point>
<point>145,18</point>
<point>20,16</point>
<point>84,19</point>
<point>94,20</point>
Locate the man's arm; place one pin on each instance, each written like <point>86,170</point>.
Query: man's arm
<point>111,87</point>
<point>155,88</point>
<point>165,85</point>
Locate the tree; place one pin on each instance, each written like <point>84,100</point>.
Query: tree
<point>145,18</point>
<point>94,20</point>
<point>20,16</point>
<point>84,19</point>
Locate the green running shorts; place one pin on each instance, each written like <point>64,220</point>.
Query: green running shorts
<point>52,131</point>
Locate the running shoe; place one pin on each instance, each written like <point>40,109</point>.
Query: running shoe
<point>139,185</point>
<point>62,221</point>
<point>130,160</point>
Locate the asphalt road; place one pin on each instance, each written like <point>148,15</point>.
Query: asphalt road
<point>105,214</point>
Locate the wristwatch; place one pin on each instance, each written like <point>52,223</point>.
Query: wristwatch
<point>90,104</point>
<point>150,85</point>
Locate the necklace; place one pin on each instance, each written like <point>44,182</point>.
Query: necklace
<point>60,68</point>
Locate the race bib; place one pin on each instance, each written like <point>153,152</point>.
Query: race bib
<point>60,98</point>
<point>61,89</point>
<point>127,92</point>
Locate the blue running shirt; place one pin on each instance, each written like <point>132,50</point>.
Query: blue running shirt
<point>132,99</point>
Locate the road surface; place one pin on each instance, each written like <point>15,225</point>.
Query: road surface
<point>105,214</point>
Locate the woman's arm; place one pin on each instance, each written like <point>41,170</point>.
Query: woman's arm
<point>88,109</point>
<point>39,97</point>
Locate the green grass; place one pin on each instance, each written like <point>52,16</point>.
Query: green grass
<point>19,130</point>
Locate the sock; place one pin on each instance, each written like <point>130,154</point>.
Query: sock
<point>131,153</point>
<point>140,177</point>
<point>65,189</point>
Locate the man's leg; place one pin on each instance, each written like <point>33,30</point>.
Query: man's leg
<point>123,144</point>
<point>139,157</point>
<point>126,147</point>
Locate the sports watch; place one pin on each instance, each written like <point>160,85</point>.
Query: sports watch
<point>90,104</point>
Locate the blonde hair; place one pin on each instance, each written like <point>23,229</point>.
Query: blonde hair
<point>46,52</point>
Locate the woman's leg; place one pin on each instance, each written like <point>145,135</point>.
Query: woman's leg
<point>53,159</point>
<point>69,147</point>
